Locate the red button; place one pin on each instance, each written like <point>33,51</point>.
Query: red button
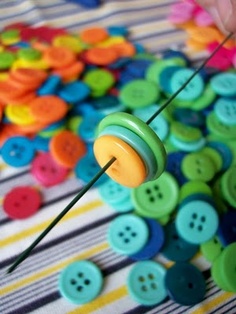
<point>21,202</point>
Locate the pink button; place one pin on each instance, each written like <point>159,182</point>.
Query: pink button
<point>47,171</point>
<point>21,202</point>
<point>203,18</point>
<point>223,60</point>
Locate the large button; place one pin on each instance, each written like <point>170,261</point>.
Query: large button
<point>127,234</point>
<point>228,185</point>
<point>175,247</point>
<point>146,283</point>
<point>185,284</point>
<point>225,110</point>
<point>22,202</point>
<point>197,222</point>
<point>227,228</point>
<point>88,125</point>
<point>224,84</point>
<point>220,129</point>
<point>80,282</point>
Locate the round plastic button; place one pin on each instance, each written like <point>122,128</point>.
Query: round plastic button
<point>128,234</point>
<point>224,84</point>
<point>22,202</point>
<point>146,283</point>
<point>228,185</point>
<point>197,222</point>
<point>185,284</point>
<point>211,249</point>
<point>194,187</point>
<point>88,126</point>
<point>176,248</point>
<point>225,110</point>
<point>173,166</point>
<point>227,228</point>
<point>220,129</point>
<point>152,199</point>
<point>80,282</point>
<point>189,117</point>
<point>185,133</point>
<point>99,80</point>
<point>224,151</point>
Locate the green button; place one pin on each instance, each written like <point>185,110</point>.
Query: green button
<point>156,198</point>
<point>7,58</point>
<point>228,185</point>
<point>139,93</point>
<point>215,157</point>
<point>198,166</point>
<point>194,187</point>
<point>184,132</point>
<point>219,129</point>
<point>29,54</point>
<point>10,34</point>
<point>205,100</point>
<point>99,81</point>
<point>211,249</point>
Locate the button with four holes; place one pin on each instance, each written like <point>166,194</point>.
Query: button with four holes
<point>80,282</point>
<point>127,234</point>
<point>225,110</point>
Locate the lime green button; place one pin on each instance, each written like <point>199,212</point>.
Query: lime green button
<point>156,198</point>
<point>10,34</point>
<point>205,100</point>
<point>219,129</point>
<point>185,133</point>
<point>7,58</point>
<point>198,166</point>
<point>29,54</point>
<point>228,185</point>
<point>194,187</point>
<point>211,249</point>
<point>139,93</point>
<point>215,157</point>
<point>99,81</point>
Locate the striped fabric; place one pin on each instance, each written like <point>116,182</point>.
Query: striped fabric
<point>33,287</point>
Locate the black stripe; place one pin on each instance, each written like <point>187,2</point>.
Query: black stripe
<point>223,305</point>
<point>17,175</point>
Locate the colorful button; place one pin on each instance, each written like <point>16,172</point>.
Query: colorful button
<point>228,185</point>
<point>189,117</point>
<point>224,84</point>
<point>221,130</point>
<point>145,283</point>
<point>99,80</point>
<point>224,151</point>
<point>197,222</point>
<point>22,202</point>
<point>127,234</point>
<point>74,92</point>
<point>211,249</point>
<point>194,187</point>
<point>88,126</point>
<point>227,228</point>
<point>225,110</point>
<point>80,282</point>
<point>173,166</point>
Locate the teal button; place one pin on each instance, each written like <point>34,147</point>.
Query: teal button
<point>187,146</point>
<point>221,130</point>
<point>197,222</point>
<point>146,283</point>
<point>80,282</point>
<point>224,84</point>
<point>225,110</point>
<point>127,234</point>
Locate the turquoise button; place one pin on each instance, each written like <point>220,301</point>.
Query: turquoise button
<point>225,110</point>
<point>193,90</point>
<point>224,84</point>
<point>80,282</point>
<point>187,146</point>
<point>146,284</point>
<point>128,234</point>
<point>197,222</point>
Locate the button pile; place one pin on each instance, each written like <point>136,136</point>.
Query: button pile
<point>61,92</point>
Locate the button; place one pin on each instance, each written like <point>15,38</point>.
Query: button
<point>99,80</point>
<point>58,57</point>
<point>199,197</point>
<point>139,93</point>
<point>19,114</point>
<point>220,129</point>
<point>47,171</point>
<point>198,166</point>
<point>107,104</point>
<point>116,195</point>
<point>145,283</point>
<point>71,42</point>
<point>49,86</point>
<point>187,146</point>
<point>173,166</point>
<point>33,78</point>
<point>205,100</point>
<point>185,133</point>
<point>154,244</point>
<point>74,92</point>
<point>211,249</point>
<point>197,222</point>
<point>165,77</point>
<point>138,67</point>
<point>189,117</point>
<point>80,282</point>
<point>185,284</point>
<point>94,35</point>
<point>7,59</point>
<point>225,110</point>
<point>127,234</point>
<point>192,188</point>
<point>215,157</point>
<point>224,84</point>
<point>224,151</point>
<point>176,248</point>
<point>193,90</point>
<point>228,185</point>
<point>29,54</point>
<point>203,18</point>
<point>22,202</point>
<point>41,144</point>
<point>101,56</point>
<point>227,228</point>
<point>88,126</point>
<point>18,151</point>
<point>152,199</point>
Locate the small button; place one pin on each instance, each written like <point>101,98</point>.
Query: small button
<point>225,110</point>
<point>80,282</point>
<point>165,77</point>
<point>185,133</point>
<point>197,222</point>
<point>224,84</point>
<point>74,92</point>
<point>154,244</point>
<point>227,228</point>
<point>146,283</point>
<point>22,202</point>
<point>175,248</point>
<point>211,249</point>
<point>128,234</point>
<point>99,80</point>
<point>185,284</point>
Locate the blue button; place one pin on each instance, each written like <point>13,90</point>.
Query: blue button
<point>146,284</point>
<point>185,284</point>
<point>88,3</point>
<point>138,67</point>
<point>224,84</point>
<point>197,222</point>
<point>189,117</point>
<point>225,153</point>
<point>169,54</point>
<point>225,110</point>
<point>41,143</point>
<point>87,167</point>
<point>80,282</point>
<point>176,248</point>
<point>18,151</point>
<point>88,126</point>
<point>128,234</point>
<point>165,77</point>
<point>118,30</point>
<point>227,228</point>
<point>107,104</point>
<point>74,92</point>
<point>154,244</point>
<point>174,161</point>
<point>50,86</point>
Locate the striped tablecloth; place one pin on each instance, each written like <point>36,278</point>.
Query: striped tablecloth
<point>33,287</point>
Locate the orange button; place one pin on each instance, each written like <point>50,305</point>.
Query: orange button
<point>58,57</point>
<point>71,72</point>
<point>93,35</point>
<point>124,49</point>
<point>30,77</point>
<point>128,169</point>
<point>67,148</point>
<point>101,56</point>
<point>48,109</point>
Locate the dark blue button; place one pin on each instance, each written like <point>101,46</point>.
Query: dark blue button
<point>118,64</point>
<point>169,54</point>
<point>107,104</point>
<point>185,284</point>
<point>189,117</point>
<point>165,76</point>
<point>154,244</point>
<point>118,30</point>
<point>224,151</point>
<point>88,3</point>
<point>175,248</point>
<point>138,67</point>
<point>227,228</point>
<point>174,161</point>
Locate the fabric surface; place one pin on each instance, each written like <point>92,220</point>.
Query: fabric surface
<point>33,286</point>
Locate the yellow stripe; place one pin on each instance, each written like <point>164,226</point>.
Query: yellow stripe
<point>210,305</point>
<point>40,227</point>
<point>101,301</point>
<point>55,268</point>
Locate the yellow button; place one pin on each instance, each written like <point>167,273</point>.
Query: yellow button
<point>128,169</point>
<point>19,114</point>
<point>71,42</point>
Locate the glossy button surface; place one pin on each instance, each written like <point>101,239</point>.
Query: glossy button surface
<point>80,282</point>
<point>211,249</point>
<point>146,283</point>
<point>227,228</point>
<point>225,109</point>
<point>228,185</point>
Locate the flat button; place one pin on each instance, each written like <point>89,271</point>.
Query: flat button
<point>152,199</point>
<point>189,117</point>
<point>224,151</point>
<point>154,244</point>
<point>225,110</point>
<point>174,160</point>
<point>146,283</point>
<point>185,284</point>
<point>197,222</point>
<point>80,282</point>
<point>185,133</point>
<point>127,234</point>
<point>175,248</point>
<point>227,228</point>
<point>22,202</point>
<point>99,80</point>
<point>228,185</point>
<point>219,129</point>
<point>211,249</point>
<point>192,188</point>
<point>88,126</point>
<point>224,84</point>
<point>74,92</point>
